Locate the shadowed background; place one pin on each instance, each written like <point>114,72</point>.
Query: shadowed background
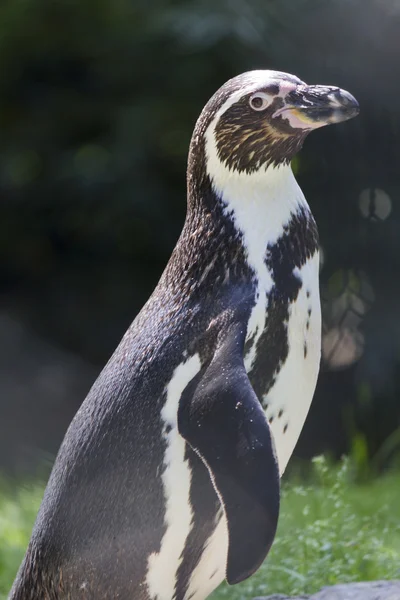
<point>98,99</point>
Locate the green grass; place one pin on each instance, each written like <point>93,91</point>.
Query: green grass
<point>330,531</point>
<point>17,514</point>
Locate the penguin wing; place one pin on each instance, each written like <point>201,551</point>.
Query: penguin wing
<point>222,419</point>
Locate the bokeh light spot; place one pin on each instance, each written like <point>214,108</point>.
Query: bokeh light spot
<point>375,204</point>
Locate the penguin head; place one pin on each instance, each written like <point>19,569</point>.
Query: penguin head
<point>261,118</point>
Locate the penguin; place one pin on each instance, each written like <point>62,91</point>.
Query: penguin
<point>167,481</point>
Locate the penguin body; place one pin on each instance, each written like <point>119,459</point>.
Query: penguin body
<point>167,480</point>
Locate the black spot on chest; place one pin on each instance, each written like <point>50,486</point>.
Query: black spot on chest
<point>296,245</point>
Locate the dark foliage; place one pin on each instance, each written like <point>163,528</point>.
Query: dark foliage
<point>98,99</point>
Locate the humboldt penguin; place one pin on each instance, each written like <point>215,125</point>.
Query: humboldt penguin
<point>167,481</point>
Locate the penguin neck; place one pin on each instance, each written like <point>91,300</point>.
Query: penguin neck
<point>232,219</point>
<point>259,204</point>
<point>262,203</point>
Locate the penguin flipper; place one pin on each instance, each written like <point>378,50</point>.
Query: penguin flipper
<point>222,420</point>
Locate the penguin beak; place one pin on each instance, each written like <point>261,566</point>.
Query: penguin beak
<point>313,106</point>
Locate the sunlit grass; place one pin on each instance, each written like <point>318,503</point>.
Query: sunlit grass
<point>330,531</point>
<point>17,514</point>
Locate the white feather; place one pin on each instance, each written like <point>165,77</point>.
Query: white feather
<point>294,386</point>
<point>163,566</point>
<point>212,566</point>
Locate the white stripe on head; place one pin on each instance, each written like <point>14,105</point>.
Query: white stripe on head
<point>258,80</point>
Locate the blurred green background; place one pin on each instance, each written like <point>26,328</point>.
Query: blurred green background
<point>98,99</point>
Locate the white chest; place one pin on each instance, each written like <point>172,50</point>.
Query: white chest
<point>288,401</point>
<point>262,205</point>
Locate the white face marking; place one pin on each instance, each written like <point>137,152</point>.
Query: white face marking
<point>295,384</point>
<point>163,566</point>
<point>259,80</point>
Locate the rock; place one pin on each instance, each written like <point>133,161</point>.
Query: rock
<point>369,590</point>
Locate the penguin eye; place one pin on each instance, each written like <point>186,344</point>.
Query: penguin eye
<point>259,101</point>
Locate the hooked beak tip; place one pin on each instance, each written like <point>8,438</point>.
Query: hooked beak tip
<point>344,102</point>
